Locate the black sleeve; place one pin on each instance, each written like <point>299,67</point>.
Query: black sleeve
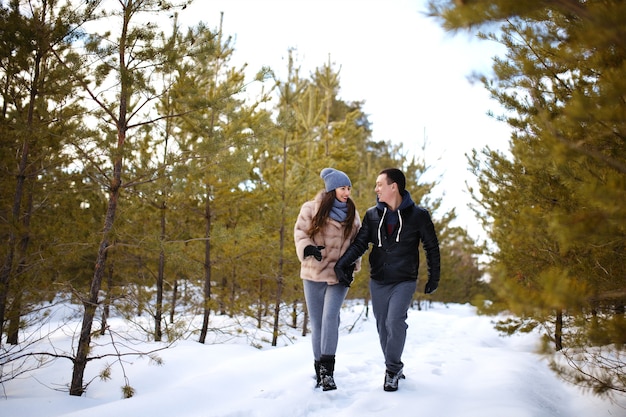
<point>431,247</point>
<point>358,247</point>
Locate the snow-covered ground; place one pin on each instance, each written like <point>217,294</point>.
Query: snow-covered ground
<point>455,362</point>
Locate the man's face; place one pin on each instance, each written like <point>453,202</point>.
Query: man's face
<point>384,191</point>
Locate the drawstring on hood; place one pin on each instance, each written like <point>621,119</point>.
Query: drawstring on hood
<point>380,226</point>
<point>407,201</point>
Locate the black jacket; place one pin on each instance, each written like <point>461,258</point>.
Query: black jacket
<point>395,257</point>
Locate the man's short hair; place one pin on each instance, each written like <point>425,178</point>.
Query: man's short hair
<point>395,175</point>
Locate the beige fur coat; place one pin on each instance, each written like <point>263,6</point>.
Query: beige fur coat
<point>331,237</point>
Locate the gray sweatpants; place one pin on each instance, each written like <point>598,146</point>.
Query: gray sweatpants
<point>390,303</point>
<point>324,304</point>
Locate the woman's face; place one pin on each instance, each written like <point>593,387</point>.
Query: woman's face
<point>342,193</point>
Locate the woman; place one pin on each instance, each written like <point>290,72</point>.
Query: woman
<point>323,231</point>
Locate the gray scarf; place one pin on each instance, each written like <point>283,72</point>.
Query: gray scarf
<point>339,211</point>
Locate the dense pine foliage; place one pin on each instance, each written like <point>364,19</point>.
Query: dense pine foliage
<point>142,176</point>
<point>554,204</point>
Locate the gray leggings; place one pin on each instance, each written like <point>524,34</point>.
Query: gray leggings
<point>390,303</point>
<point>324,303</point>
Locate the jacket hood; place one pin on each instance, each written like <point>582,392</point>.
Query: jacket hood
<point>407,201</point>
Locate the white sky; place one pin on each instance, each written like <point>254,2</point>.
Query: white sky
<point>410,73</point>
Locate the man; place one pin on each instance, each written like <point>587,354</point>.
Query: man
<point>395,227</point>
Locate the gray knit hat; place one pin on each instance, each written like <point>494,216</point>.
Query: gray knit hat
<point>334,179</point>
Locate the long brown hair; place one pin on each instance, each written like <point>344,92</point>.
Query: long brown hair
<point>320,218</point>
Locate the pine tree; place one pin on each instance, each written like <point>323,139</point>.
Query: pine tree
<point>123,65</point>
<point>553,205</point>
<point>214,143</point>
<point>38,112</point>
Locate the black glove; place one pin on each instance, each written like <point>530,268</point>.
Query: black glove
<point>431,287</point>
<point>345,275</point>
<point>314,251</point>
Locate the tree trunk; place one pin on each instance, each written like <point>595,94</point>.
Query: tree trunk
<point>305,321</point>
<point>15,312</point>
<point>233,292</point>
<point>280,282</point>
<point>174,300</point>
<point>222,297</point>
<point>294,314</point>
<point>207,268</point>
<point>80,361</point>
<point>158,333</point>
<point>259,308</point>
<point>558,332</point>
<point>106,310</point>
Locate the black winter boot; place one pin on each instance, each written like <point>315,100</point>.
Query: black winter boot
<point>327,369</point>
<point>317,374</point>
<point>391,380</point>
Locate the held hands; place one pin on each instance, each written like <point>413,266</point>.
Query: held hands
<point>431,287</point>
<point>314,251</point>
<point>345,275</point>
